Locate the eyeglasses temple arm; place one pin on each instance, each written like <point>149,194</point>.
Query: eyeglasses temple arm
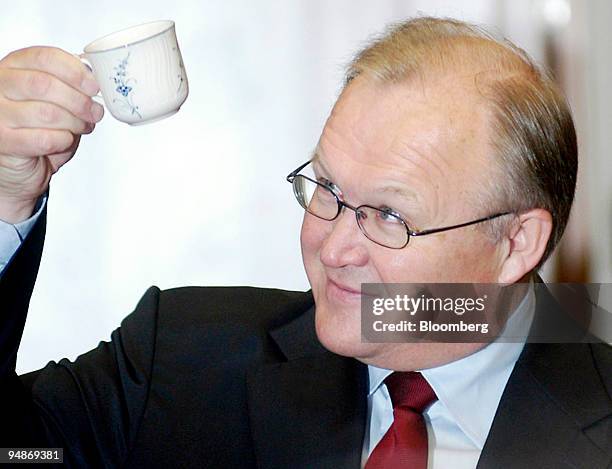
<point>460,225</point>
<point>291,176</point>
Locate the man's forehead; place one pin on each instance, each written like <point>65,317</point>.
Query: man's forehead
<point>442,106</point>
<point>442,121</point>
<point>374,184</point>
<point>422,145</point>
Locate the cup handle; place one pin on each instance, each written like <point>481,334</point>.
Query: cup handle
<point>85,61</point>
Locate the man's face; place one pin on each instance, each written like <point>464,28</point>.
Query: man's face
<point>422,152</point>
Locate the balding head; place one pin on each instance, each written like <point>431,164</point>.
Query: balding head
<point>531,128</point>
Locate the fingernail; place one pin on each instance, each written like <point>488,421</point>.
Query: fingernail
<point>97,111</point>
<point>89,86</point>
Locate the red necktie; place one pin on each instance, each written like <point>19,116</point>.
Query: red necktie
<point>405,443</point>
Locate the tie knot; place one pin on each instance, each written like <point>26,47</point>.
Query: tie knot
<point>410,389</point>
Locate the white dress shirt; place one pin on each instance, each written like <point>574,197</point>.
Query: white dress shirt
<point>468,390</point>
<point>11,236</point>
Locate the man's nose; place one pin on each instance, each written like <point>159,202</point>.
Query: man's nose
<point>345,243</point>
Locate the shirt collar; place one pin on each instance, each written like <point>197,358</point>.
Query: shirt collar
<point>471,388</point>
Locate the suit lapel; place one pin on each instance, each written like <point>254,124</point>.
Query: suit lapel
<point>543,419</point>
<point>532,428</point>
<point>309,411</point>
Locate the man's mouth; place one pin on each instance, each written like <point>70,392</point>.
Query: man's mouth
<point>341,292</point>
<point>345,287</point>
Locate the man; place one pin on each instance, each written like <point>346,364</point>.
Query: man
<point>448,157</point>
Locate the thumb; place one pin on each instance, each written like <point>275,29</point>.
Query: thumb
<point>57,160</point>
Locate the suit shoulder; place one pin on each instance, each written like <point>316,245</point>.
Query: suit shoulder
<point>265,307</point>
<point>229,326</point>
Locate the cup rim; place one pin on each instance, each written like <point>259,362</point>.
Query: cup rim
<point>170,24</point>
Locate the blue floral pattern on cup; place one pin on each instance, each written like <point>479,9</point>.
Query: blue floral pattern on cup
<point>124,86</point>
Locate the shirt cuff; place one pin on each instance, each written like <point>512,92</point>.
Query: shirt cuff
<point>11,236</point>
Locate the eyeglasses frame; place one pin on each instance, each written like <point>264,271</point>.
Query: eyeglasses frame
<point>409,232</point>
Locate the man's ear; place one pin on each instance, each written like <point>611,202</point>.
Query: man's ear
<point>526,242</point>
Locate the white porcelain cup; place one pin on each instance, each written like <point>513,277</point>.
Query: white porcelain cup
<point>140,72</point>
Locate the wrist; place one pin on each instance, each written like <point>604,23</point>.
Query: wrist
<point>15,211</point>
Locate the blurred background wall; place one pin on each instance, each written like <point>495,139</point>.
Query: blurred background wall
<point>200,198</point>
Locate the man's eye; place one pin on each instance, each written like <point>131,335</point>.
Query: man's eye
<point>389,215</point>
<point>330,185</point>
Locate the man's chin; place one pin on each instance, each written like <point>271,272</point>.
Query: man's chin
<point>360,351</point>
<point>342,339</point>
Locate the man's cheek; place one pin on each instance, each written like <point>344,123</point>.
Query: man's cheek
<point>310,244</point>
<point>311,236</point>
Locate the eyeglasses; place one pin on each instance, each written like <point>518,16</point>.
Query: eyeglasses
<point>380,225</point>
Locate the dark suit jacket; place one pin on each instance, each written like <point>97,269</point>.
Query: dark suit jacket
<point>235,377</point>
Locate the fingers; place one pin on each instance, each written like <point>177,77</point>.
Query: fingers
<point>40,115</point>
<point>31,85</point>
<point>56,62</point>
<point>57,160</point>
<point>34,142</point>
<point>45,104</point>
